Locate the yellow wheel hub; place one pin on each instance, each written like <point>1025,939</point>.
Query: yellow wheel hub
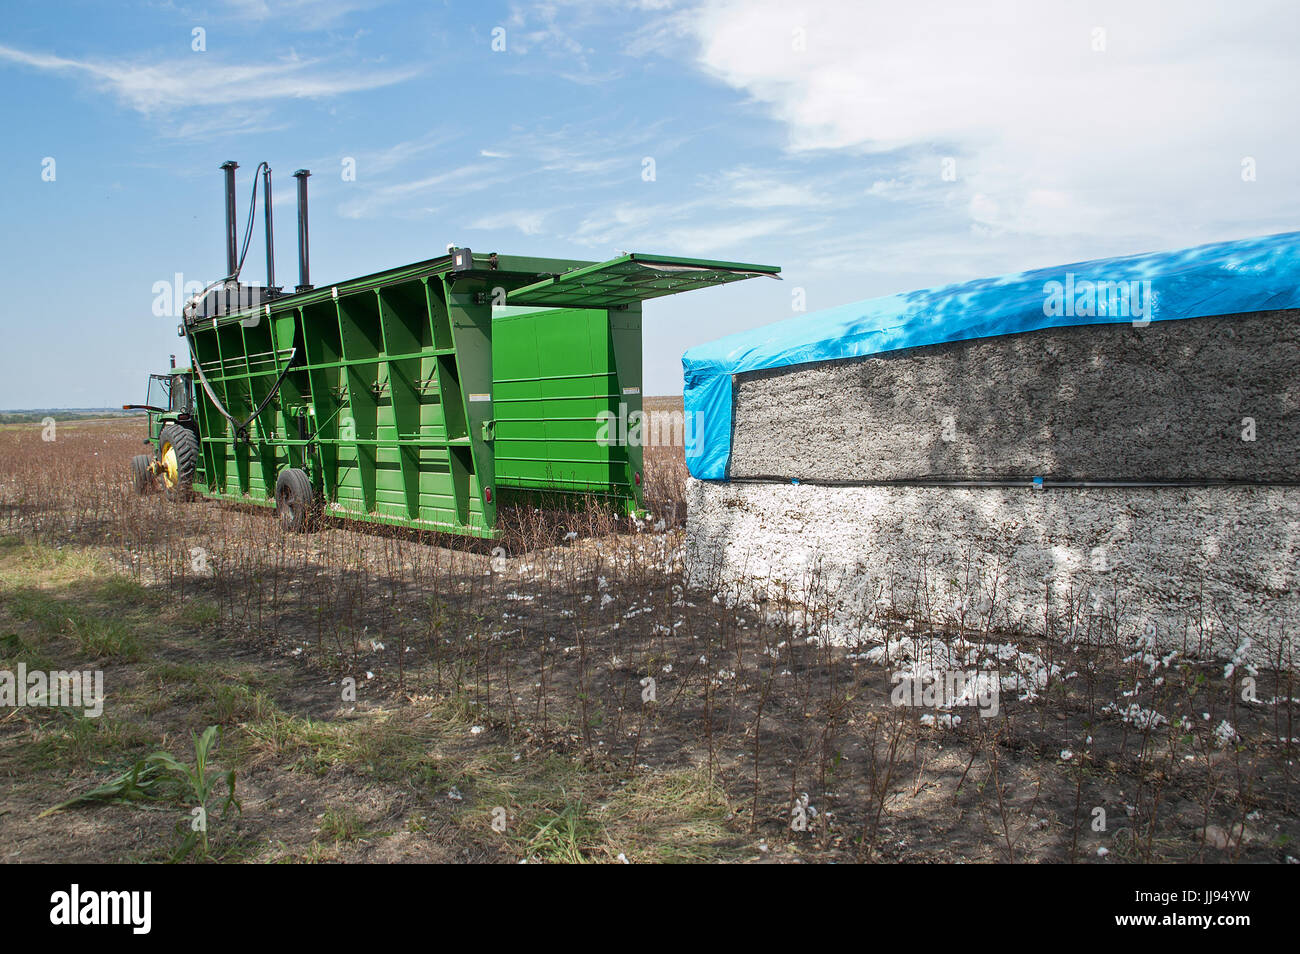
<point>170,468</point>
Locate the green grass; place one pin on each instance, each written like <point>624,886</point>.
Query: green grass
<point>674,817</point>
<point>122,589</point>
<point>198,613</point>
<point>220,696</point>
<point>99,638</point>
<point>14,649</point>
<point>559,809</point>
<point>95,633</point>
<point>60,738</point>
<point>376,745</point>
<point>568,836</point>
<point>231,704</point>
<point>305,744</point>
<point>342,825</point>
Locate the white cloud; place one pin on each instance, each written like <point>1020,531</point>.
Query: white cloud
<point>1139,143</point>
<point>384,160</point>
<point>400,196</point>
<point>614,224</point>
<point>725,211</point>
<point>756,189</point>
<point>220,121</point>
<point>716,238</point>
<point>539,27</point>
<point>202,81</point>
<point>585,155</point>
<point>529,222</point>
<point>311,14</point>
<point>692,228</point>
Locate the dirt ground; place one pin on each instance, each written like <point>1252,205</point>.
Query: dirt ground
<point>385,697</point>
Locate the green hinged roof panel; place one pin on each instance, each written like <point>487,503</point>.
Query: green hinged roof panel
<point>631,278</point>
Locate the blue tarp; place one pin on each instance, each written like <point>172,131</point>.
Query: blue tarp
<point>1258,274</point>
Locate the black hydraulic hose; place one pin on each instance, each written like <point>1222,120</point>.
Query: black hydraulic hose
<point>241,429</point>
<point>252,216</point>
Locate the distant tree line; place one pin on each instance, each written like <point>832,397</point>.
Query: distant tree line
<point>62,414</point>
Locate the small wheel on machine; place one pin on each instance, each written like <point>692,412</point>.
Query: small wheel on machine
<point>178,453</point>
<point>294,499</point>
<point>142,478</point>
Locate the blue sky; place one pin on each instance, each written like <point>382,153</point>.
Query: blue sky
<point>866,149</point>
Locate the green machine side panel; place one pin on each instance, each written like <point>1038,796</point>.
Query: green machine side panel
<point>567,392</point>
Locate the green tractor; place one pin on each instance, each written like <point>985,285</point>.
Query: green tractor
<point>176,463</point>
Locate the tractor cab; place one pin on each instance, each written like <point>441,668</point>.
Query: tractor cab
<point>170,398</point>
<point>173,435</point>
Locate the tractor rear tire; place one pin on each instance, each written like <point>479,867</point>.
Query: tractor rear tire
<point>178,449</point>
<point>294,499</point>
<point>142,478</point>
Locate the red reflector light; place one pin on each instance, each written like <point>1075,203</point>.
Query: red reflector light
<point>637,478</point>
<point>487,495</point>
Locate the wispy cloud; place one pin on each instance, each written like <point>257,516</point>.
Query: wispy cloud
<point>311,14</point>
<point>216,121</point>
<point>200,80</point>
<point>527,221</point>
<point>584,156</point>
<point>551,34</point>
<point>693,227</point>
<point>713,237</point>
<point>408,196</point>
<point>539,27</point>
<point>752,188</point>
<point>590,79</point>
<point>620,223</point>
<point>719,211</point>
<point>385,160</point>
